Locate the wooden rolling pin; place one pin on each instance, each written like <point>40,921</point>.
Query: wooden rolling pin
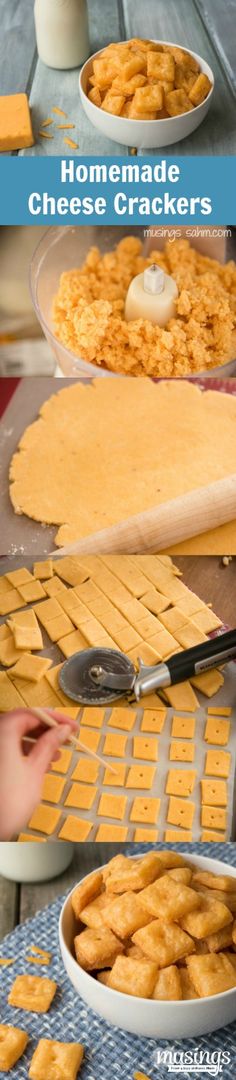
<point>165,525</point>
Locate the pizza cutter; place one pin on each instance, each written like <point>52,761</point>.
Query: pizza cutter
<point>102,676</point>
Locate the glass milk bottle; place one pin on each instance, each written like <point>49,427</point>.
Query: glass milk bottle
<point>62,32</point>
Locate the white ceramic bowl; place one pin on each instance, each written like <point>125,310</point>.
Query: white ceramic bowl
<point>150,1019</point>
<point>30,862</point>
<point>145,134</point>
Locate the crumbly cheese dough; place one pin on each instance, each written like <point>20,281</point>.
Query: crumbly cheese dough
<point>89,311</point>
<point>103,451</point>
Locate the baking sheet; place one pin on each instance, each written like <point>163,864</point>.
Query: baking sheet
<point>226,696</point>
<point>20,534</point>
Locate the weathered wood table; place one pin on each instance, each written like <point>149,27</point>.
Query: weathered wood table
<point>205,26</point>
<point>21,902</point>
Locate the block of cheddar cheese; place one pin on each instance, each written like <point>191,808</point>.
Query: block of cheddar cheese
<point>15,122</point>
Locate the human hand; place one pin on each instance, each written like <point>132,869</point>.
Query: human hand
<point>23,766</point>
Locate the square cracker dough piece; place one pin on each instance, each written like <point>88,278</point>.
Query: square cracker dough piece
<point>52,789</point>
<point>114,745</point>
<point>209,836</point>
<point>217,763</point>
<point>53,586</point>
<point>75,829</point>
<point>213,817</point>
<point>10,601</point>
<point>33,590</point>
<point>122,718</point>
<point>180,812</point>
<point>181,697</point>
<point>112,806</point>
<point>43,570</point>
<point>63,764</point>
<point>145,810</point>
<point>188,636</point>
<point>214,792</point>
<point>10,698</point>
<point>72,569</point>
<point>31,667</point>
<point>107,833</point>
<point>19,577</point>
<point>209,682</point>
<point>13,1042</point>
<point>206,620</point>
<point>145,835</point>
<point>26,630</point>
<point>49,1055</point>
<point>145,652</point>
<point>183,727</point>
<point>81,796</point>
<point>36,693</point>
<point>144,748</point>
<point>153,720</point>
<point>72,643</point>
<point>8,652</point>
<point>93,717</point>
<point>59,627</point>
<point>118,780</point>
<point>182,751</point>
<point>172,836</point>
<point>219,710</point>
<point>217,731</point>
<point>44,819</point>
<point>141,777</point>
<point>180,782</point>
<point>89,739</point>
<point>49,609</point>
<point>87,771</point>
<point>33,993</point>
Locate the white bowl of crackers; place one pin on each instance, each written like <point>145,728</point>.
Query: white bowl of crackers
<point>149,943</point>
<point>146,94</point>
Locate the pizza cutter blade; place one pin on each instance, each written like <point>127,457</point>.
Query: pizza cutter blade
<point>101,676</point>
<point>97,676</point>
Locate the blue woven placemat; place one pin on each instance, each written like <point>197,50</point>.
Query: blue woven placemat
<point>110,1054</point>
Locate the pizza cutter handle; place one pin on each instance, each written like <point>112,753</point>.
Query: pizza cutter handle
<point>185,664</point>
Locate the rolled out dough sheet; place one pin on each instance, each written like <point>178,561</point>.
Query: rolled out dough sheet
<point>103,451</point>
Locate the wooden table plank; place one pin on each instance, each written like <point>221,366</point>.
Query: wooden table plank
<point>17,45</point>
<point>9,906</point>
<point>219,21</point>
<point>182,24</point>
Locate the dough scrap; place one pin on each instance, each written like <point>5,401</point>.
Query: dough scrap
<point>118,442</point>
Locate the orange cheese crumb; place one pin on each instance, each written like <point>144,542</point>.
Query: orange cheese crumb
<point>59,112</point>
<point>74,145</point>
<point>45,135</point>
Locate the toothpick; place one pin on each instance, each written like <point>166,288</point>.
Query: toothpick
<point>50,722</point>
